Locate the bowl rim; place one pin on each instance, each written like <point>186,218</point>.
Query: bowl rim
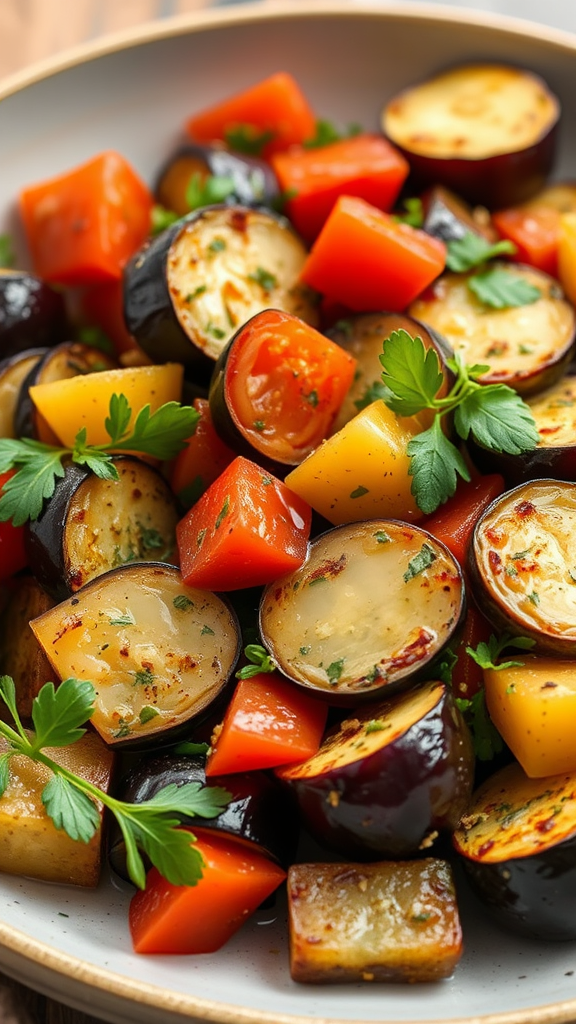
<point>19,950</point>
<point>277,10</point>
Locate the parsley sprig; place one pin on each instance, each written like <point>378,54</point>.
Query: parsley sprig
<point>493,414</point>
<point>260,661</point>
<point>58,716</point>
<point>486,654</point>
<point>486,739</point>
<point>161,434</point>
<point>498,287</point>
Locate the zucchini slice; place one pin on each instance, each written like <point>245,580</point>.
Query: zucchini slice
<point>523,564</point>
<point>517,841</point>
<point>526,347</point>
<point>159,653</point>
<point>329,628</point>
<point>410,928</point>
<point>388,780</point>
<point>91,525</point>
<point>187,292</point>
<point>487,131</point>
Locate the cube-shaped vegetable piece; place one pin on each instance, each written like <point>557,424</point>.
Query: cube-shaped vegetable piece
<point>387,921</point>
<point>533,706</point>
<point>362,471</point>
<point>83,225</point>
<point>29,843</point>
<point>366,166</point>
<point>247,529</point>
<point>368,261</point>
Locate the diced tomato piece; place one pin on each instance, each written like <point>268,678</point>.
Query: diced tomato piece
<point>369,261</point>
<point>273,112</point>
<point>201,462</point>
<point>366,166</point>
<point>454,522</point>
<point>247,529</point>
<point>535,232</point>
<point>13,556</point>
<point>167,918</point>
<point>83,226</point>
<point>269,722</point>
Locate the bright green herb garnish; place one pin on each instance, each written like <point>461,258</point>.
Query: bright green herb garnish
<point>414,215</point>
<point>260,661</point>
<point>208,190</point>
<point>500,288</point>
<point>486,654</point>
<point>493,414</point>
<point>472,250</point>
<point>248,138</point>
<point>7,254</point>
<point>161,434</point>
<point>70,801</point>
<point>326,133</point>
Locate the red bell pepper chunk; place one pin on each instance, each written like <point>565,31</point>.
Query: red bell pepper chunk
<point>369,261</point>
<point>13,555</point>
<point>201,462</point>
<point>167,918</point>
<point>454,522</point>
<point>535,232</point>
<point>269,116</point>
<point>247,529</point>
<point>366,166</point>
<point>269,722</point>
<point>84,225</point>
<point>467,676</point>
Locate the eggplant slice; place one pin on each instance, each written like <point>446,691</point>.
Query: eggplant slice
<point>21,656</point>
<point>527,347</point>
<point>517,841</point>
<point>92,525</point>
<point>385,782</point>
<point>159,653</point>
<point>32,314</point>
<point>188,291</point>
<point>523,564</point>
<point>487,131</point>
<point>372,606</point>
<point>14,371</point>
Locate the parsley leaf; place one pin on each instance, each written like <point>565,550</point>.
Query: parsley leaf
<point>486,654</point>
<point>7,254</point>
<point>206,191</point>
<point>486,739</point>
<point>494,414</point>
<point>4,772</point>
<point>248,138</point>
<point>71,801</point>
<point>161,434</point>
<point>411,373</point>
<point>161,218</point>
<point>471,250</point>
<point>423,560</point>
<point>326,133</point>
<point>260,661</point>
<point>501,289</point>
<point>414,215</point>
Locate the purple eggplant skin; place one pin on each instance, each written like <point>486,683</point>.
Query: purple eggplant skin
<point>392,802</point>
<point>32,314</point>
<point>260,811</point>
<point>533,896</point>
<point>538,463</point>
<point>254,181</point>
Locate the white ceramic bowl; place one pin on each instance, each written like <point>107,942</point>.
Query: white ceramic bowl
<point>132,94</point>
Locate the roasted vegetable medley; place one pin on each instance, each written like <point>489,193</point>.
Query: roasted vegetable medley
<point>287,522</point>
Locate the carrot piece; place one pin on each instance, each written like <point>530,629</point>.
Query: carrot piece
<point>535,232</point>
<point>365,166</point>
<point>454,522</point>
<point>247,529</point>
<point>267,117</point>
<point>167,918</point>
<point>201,462</point>
<point>269,722</point>
<point>368,261</point>
<point>83,226</point>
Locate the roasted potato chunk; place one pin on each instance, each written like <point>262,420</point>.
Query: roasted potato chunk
<point>387,921</point>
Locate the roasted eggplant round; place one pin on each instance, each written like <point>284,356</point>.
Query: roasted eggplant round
<point>277,388</point>
<point>251,181</point>
<point>32,314</point>
<point>159,653</point>
<point>13,372</point>
<point>188,291</point>
<point>487,131</point>
<point>522,564</point>
<point>527,347</point>
<point>449,218</point>
<point>260,811</point>
<point>363,335</point>
<point>90,525</point>
<point>385,782</point>
<point>517,840</point>
<point>374,603</point>
<point>70,359</point>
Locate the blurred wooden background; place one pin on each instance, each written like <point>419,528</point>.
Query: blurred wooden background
<point>31,30</point>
